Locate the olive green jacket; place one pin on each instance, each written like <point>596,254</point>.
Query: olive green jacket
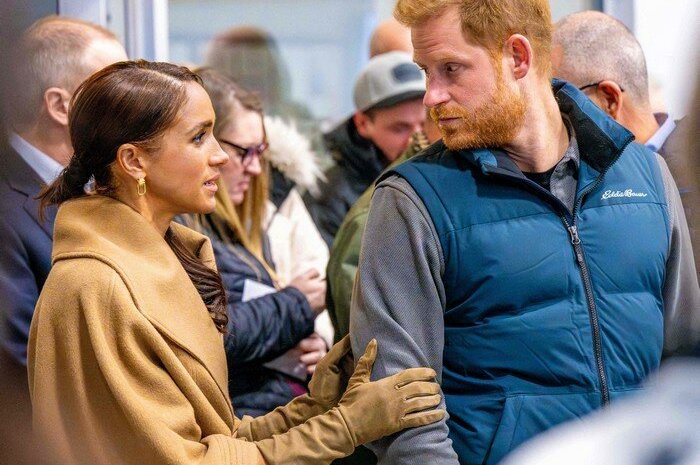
<point>345,253</point>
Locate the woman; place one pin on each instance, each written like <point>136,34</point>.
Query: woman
<point>282,320</point>
<point>126,362</point>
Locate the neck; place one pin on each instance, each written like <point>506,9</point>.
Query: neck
<point>542,139</point>
<point>158,219</point>
<point>52,141</point>
<point>642,124</point>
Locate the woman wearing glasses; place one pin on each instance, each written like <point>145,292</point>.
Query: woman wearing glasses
<point>126,363</point>
<point>271,340</point>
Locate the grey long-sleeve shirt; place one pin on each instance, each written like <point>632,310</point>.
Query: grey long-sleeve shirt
<point>399,298</point>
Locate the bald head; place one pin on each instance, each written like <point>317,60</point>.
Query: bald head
<point>390,35</point>
<point>57,52</point>
<point>591,46</point>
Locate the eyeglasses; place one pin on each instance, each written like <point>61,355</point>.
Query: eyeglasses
<point>247,154</point>
<point>595,84</point>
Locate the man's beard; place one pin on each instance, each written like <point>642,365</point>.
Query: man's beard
<point>493,124</point>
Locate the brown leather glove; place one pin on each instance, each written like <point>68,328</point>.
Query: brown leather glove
<point>326,387</point>
<point>367,411</point>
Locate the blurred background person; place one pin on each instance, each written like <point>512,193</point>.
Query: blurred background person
<point>390,35</point>
<point>601,56</point>
<point>296,246</point>
<point>388,100</point>
<point>268,318</point>
<point>52,58</point>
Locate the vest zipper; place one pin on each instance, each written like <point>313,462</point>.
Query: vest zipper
<point>587,286</point>
<point>592,310</point>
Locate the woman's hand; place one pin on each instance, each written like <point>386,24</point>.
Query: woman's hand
<point>372,410</point>
<point>313,287</point>
<point>313,349</point>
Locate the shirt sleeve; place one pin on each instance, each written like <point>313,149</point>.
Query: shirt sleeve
<point>399,299</point>
<point>681,293</point>
<point>18,292</point>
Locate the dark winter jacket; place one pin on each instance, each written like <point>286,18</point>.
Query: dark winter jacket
<point>259,331</point>
<point>358,162</point>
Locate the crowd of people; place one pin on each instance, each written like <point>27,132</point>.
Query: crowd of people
<point>498,241</point>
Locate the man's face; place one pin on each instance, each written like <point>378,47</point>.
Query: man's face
<point>469,98</point>
<point>390,128</point>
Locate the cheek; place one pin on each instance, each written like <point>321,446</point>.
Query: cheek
<point>232,172</point>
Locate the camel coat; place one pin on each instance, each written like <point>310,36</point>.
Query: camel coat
<point>125,363</point>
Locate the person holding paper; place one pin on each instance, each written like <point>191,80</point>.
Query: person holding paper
<point>270,342</point>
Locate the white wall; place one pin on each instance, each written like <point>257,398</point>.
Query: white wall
<point>668,32</point>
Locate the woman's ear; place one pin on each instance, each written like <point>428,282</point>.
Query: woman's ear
<point>57,102</point>
<point>131,161</point>
<point>519,50</point>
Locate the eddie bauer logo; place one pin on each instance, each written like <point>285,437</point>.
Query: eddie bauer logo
<point>618,194</point>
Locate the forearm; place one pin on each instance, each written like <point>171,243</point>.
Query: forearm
<point>280,420</point>
<point>399,299</point>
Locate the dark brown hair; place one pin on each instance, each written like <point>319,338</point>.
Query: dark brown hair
<point>131,102</point>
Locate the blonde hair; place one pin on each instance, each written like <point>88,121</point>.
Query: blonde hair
<point>491,22</point>
<point>237,223</point>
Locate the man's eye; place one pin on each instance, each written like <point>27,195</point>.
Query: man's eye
<point>451,67</point>
<point>198,138</point>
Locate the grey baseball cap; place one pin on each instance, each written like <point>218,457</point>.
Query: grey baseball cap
<point>388,79</point>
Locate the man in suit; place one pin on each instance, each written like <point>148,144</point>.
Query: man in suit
<point>54,56</point>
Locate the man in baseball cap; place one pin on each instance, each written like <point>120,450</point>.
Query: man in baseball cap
<point>388,110</point>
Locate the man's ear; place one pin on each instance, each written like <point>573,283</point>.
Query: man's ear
<point>56,102</point>
<point>362,123</point>
<point>519,53</point>
<point>131,161</point>
<point>609,98</point>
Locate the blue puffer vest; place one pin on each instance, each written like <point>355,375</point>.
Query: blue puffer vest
<point>549,313</point>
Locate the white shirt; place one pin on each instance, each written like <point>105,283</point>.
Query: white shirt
<point>666,127</point>
<point>46,167</point>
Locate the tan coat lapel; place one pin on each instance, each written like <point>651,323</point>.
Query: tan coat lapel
<point>119,236</point>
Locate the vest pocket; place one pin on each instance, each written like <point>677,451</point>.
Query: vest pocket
<point>505,431</point>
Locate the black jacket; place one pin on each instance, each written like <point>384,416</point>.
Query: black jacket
<point>358,162</point>
<point>259,330</point>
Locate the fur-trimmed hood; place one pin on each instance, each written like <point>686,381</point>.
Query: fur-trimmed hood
<point>290,152</point>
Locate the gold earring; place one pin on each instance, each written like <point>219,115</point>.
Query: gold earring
<point>141,186</point>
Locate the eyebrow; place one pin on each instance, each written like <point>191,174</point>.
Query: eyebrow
<point>200,126</point>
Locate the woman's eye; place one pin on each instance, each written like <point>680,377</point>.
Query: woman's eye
<point>198,138</point>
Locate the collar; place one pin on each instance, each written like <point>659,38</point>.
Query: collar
<point>110,231</point>
<point>666,127</point>
<point>600,139</point>
<point>46,167</point>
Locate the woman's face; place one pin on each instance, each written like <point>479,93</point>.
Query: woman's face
<point>245,130</point>
<point>181,174</point>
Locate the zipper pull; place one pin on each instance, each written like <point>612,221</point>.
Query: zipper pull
<point>573,232</point>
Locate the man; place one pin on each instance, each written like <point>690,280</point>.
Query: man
<point>599,55</point>
<point>389,36</point>
<point>55,55</point>
<point>388,106</point>
<point>531,257</point>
